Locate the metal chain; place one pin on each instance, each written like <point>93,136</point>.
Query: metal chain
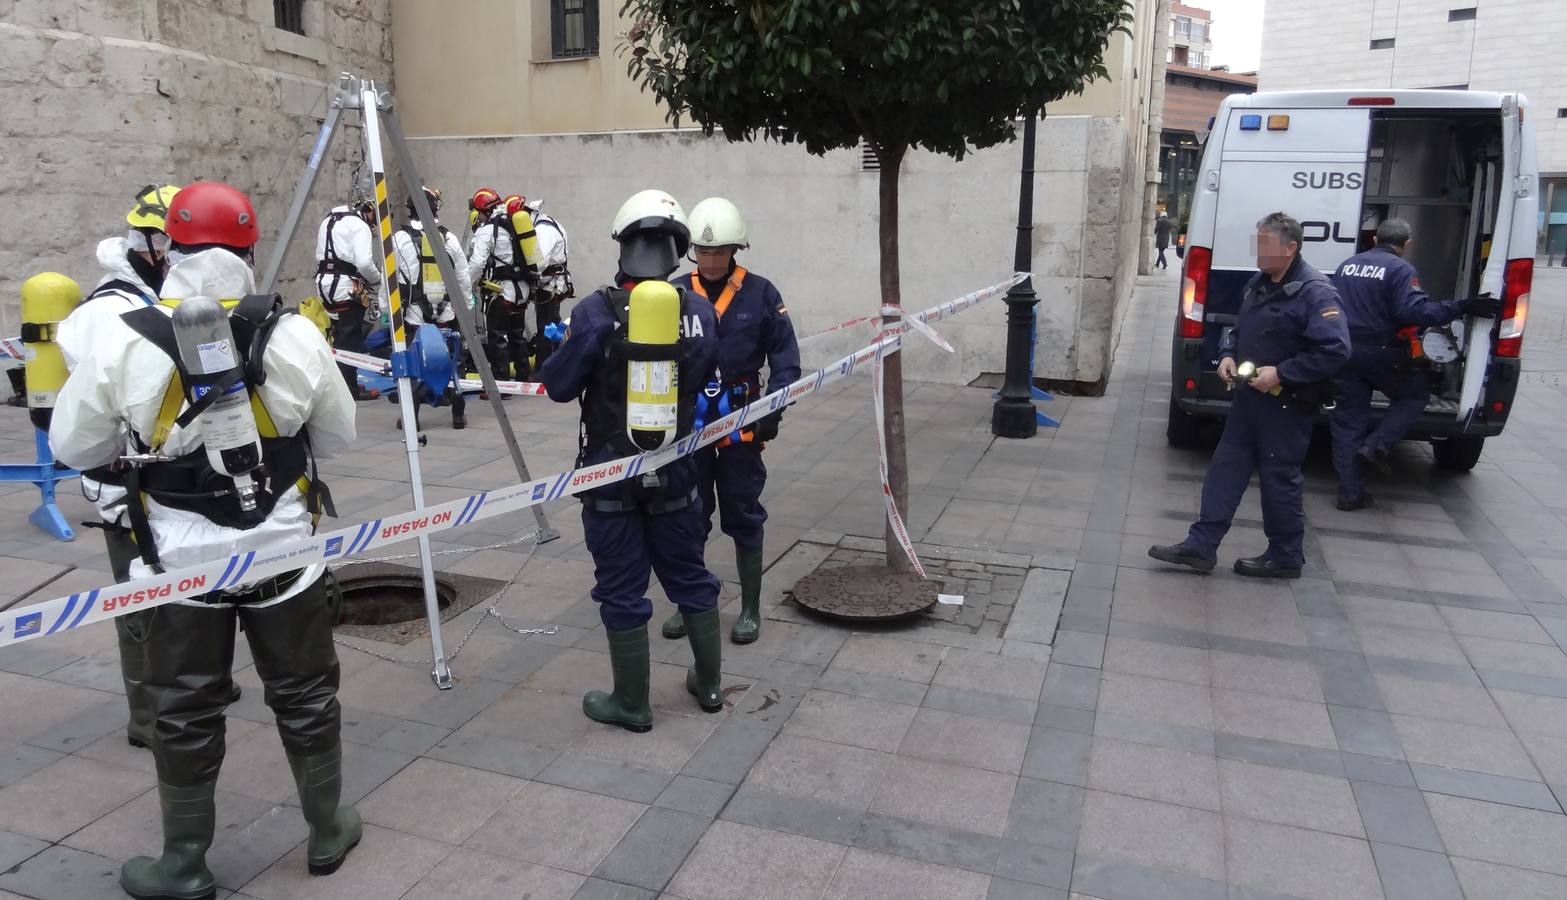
<point>489,612</point>
<point>530,536</point>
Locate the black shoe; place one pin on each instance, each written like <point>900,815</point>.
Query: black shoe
<point>1263,567</point>
<point>459,421</point>
<point>1376,459</point>
<point>1351,502</point>
<point>1181,555</point>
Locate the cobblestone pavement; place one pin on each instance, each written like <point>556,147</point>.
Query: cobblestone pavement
<point>1394,724</point>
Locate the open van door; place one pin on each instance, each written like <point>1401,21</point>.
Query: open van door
<point>1501,193</point>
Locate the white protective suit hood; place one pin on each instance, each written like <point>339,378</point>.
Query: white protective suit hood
<point>213,272</point>
<point>113,257</point>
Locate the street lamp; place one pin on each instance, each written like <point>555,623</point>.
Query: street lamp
<point>1013,415</point>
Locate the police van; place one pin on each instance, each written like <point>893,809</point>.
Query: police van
<point>1459,166</point>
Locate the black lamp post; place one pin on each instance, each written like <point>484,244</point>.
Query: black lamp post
<point>1013,415</point>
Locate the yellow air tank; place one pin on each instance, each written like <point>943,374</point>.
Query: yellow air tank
<point>527,237</point>
<point>653,385</point>
<point>47,298</point>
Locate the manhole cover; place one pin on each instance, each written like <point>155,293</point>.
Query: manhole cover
<point>865,593</point>
<point>383,602</point>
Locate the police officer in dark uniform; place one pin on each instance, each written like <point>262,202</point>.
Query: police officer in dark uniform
<point>1290,338</point>
<point>1382,295</point>
<point>651,523</point>
<point>753,327</point>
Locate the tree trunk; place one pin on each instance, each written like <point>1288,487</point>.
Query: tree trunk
<point>891,159</point>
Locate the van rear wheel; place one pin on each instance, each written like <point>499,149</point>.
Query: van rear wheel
<point>1183,430</point>
<point>1458,454</point>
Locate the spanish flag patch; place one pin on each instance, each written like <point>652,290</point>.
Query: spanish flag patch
<point>1330,313</point>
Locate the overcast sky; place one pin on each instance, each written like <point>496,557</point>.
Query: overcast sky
<point>1237,32</point>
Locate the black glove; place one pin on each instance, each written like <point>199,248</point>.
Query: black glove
<point>1485,307</point>
<point>766,428</point>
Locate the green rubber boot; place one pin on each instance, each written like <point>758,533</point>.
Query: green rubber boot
<point>748,627</point>
<point>627,704</point>
<point>335,829</point>
<point>674,627</point>
<point>702,679</point>
<point>181,873</point>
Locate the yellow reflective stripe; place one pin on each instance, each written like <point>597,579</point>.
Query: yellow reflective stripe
<point>168,411</point>
<point>389,255</point>
<point>176,301</point>
<point>264,424</point>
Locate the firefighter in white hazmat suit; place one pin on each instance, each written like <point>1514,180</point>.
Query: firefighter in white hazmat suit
<point>185,511</point>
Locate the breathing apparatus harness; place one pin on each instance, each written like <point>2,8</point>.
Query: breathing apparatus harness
<point>335,266</point>
<point>190,482</point>
<point>428,269</point>
<point>604,414</point>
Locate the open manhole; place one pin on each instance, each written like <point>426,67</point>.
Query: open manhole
<point>383,602</point>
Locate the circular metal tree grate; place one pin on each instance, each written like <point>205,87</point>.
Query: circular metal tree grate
<point>865,593</point>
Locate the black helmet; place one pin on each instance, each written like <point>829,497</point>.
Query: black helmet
<point>430,194</point>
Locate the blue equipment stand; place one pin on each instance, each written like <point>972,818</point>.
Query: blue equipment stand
<point>1040,394</point>
<point>43,474</point>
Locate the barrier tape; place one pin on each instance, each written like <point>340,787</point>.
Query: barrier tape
<point>12,347</point>
<point>99,604</point>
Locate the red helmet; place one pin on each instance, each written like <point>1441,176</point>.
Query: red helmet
<point>210,212</point>
<point>484,200</point>
<point>515,204</point>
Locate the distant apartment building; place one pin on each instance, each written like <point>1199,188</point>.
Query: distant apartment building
<point>1191,37</point>
<point>1487,45</point>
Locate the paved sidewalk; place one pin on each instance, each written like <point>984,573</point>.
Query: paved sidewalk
<point>1395,724</point>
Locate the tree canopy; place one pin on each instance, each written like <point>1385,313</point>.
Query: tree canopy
<point>947,76</point>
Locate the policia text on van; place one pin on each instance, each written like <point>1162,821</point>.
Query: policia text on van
<point>1458,166</point>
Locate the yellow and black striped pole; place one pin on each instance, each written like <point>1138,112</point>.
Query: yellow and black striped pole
<point>370,113</point>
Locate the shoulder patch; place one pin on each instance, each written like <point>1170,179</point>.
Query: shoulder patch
<point>783,310</point>
<point>1415,283</point>
<point>1330,313</point>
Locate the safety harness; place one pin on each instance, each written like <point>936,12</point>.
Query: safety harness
<point>517,271</point>
<point>603,403</point>
<point>725,396</point>
<point>428,270</point>
<point>335,266</point>
<point>189,482</point>
<point>562,268</point>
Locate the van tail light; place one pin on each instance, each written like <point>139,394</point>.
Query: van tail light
<point>1517,279</point>
<point>1194,290</point>
<point>1372,101</point>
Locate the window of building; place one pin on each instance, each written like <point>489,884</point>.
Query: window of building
<point>1183,27</point>
<point>574,28</point>
<point>1196,59</point>
<point>1198,31</point>
<point>1466,14</point>
<point>289,15</point>
<point>1561,113</point>
<point>1382,44</point>
<point>1179,58</point>
<point>1169,55</point>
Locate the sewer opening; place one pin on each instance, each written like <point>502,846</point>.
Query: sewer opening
<point>386,599</point>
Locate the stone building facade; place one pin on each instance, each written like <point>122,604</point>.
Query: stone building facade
<point>575,130</point>
<point>99,97</point>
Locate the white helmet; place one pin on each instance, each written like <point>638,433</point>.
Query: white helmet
<point>651,229</point>
<point>715,222</point>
